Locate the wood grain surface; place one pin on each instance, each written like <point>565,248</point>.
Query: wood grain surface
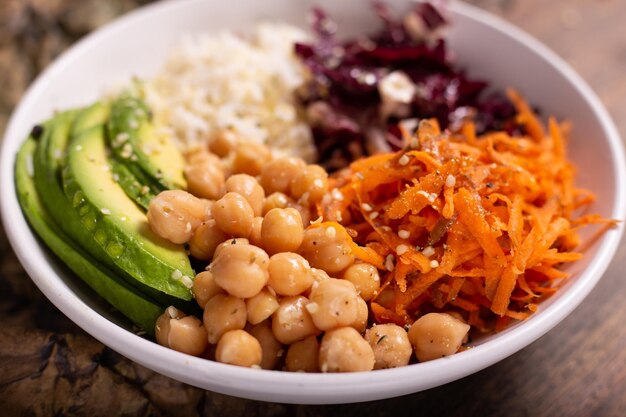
<point>50,367</point>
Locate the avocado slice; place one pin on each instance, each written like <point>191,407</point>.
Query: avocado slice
<point>116,223</point>
<point>88,117</point>
<point>137,307</point>
<point>47,166</point>
<point>98,114</point>
<point>140,193</point>
<point>136,142</point>
<point>47,162</point>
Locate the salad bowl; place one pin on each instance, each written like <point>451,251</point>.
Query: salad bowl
<point>486,46</point>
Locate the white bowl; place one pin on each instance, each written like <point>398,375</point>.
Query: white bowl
<point>489,47</point>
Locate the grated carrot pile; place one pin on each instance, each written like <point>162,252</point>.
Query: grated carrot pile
<point>479,225</point>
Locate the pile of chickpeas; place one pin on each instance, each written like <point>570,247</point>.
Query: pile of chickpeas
<point>278,291</point>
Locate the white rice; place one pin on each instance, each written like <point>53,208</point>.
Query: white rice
<point>210,83</point>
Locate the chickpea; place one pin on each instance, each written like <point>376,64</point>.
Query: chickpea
<point>175,214</point>
<point>199,155</point>
<point>229,242</point>
<point>282,230</point>
<point>360,324</point>
<point>238,347</point>
<point>188,335</point>
<point>276,175</point>
<point>276,200</point>
<point>390,344</point>
<point>303,356</point>
<point>223,142</point>
<point>290,273</point>
<point>255,237</point>
<point>249,188</point>
<point>292,322</point>
<point>319,275</point>
<point>205,239</point>
<point>327,249</point>
<point>271,348</point>
<point>310,184</point>
<point>205,177</point>
<point>241,270</point>
<point>193,152</point>
<point>162,325</point>
<point>233,215</point>
<point>344,350</point>
<point>205,288</point>
<point>162,330</point>
<point>223,313</point>
<point>305,212</point>
<point>208,207</point>
<point>365,278</point>
<point>333,304</point>
<point>261,306</point>
<point>184,334</point>
<point>436,335</point>
<point>250,158</point>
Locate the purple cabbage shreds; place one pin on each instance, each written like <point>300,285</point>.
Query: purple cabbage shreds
<point>496,112</point>
<point>351,111</point>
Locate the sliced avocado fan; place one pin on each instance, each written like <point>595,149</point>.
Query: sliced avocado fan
<point>151,156</point>
<point>86,119</point>
<point>47,161</point>
<point>98,114</point>
<point>88,205</point>
<point>137,307</point>
<point>116,223</point>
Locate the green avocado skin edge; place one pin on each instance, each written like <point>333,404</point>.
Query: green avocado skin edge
<point>137,307</point>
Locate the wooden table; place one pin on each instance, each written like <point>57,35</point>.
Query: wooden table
<point>578,369</point>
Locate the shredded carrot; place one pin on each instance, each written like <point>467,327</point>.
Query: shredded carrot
<point>475,224</point>
<point>401,270</point>
<point>384,315</point>
<point>464,304</point>
<point>472,215</point>
<point>527,117</point>
<point>505,288</point>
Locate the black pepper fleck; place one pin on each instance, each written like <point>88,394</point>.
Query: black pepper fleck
<point>36,131</point>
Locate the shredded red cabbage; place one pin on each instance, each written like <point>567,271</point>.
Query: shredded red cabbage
<point>349,114</point>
